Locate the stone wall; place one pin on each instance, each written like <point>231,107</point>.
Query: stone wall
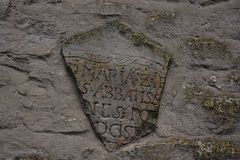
<point>125,80</point>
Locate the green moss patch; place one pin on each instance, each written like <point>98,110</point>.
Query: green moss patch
<point>226,108</point>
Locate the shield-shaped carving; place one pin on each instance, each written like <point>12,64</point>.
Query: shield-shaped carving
<point>120,75</point>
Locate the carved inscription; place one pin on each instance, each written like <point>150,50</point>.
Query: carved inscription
<point>122,94</point>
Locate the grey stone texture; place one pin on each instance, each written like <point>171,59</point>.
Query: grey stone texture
<point>120,75</point>
<point>42,111</point>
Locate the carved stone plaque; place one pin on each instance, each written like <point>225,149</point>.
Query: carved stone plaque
<point>120,75</point>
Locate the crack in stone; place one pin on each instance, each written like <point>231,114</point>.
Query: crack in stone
<point>46,131</point>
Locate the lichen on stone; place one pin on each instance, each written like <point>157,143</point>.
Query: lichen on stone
<point>216,149</point>
<point>140,39</point>
<point>82,36</point>
<point>226,108</point>
<point>107,8</point>
<point>160,16</point>
<point>209,149</point>
<point>199,149</point>
<point>206,43</point>
<point>208,47</point>
<point>194,92</point>
<point>163,16</point>
<point>234,76</point>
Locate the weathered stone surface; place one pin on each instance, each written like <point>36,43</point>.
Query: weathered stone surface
<point>41,109</point>
<point>4,4</point>
<point>44,122</point>
<point>121,90</point>
<point>181,149</point>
